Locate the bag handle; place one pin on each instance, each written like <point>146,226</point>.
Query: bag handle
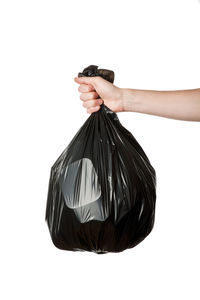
<point>93,70</point>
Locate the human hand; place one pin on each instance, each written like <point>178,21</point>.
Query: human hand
<point>96,90</point>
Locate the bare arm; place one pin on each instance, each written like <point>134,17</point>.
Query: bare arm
<point>180,105</point>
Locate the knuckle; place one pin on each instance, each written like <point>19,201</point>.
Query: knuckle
<point>89,88</point>
<point>96,103</point>
<point>84,88</point>
<point>90,96</point>
<point>91,104</point>
<point>99,101</point>
<point>81,97</point>
<point>94,95</point>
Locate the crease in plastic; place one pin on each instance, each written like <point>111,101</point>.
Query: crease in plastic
<point>102,189</point>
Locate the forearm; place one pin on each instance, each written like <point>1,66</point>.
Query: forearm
<point>181,105</point>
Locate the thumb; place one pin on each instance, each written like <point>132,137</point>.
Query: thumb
<point>93,81</point>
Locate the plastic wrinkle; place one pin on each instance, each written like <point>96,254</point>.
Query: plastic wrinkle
<point>102,189</point>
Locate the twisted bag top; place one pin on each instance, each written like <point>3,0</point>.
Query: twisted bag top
<point>102,188</point>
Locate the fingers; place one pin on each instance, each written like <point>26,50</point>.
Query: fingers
<point>89,96</point>
<point>92,103</point>
<point>83,88</point>
<point>93,109</point>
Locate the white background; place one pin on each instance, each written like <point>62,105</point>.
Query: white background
<point>150,45</point>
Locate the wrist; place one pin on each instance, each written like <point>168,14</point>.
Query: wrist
<point>128,100</point>
<point>119,98</point>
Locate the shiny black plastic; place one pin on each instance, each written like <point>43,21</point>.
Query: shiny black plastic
<point>102,188</point>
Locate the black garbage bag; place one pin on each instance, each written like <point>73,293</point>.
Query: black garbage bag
<point>102,188</point>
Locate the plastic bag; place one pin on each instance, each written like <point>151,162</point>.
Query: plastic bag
<point>102,188</point>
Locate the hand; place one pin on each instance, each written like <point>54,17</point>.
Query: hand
<point>96,90</point>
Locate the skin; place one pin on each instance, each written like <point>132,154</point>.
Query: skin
<point>179,105</point>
